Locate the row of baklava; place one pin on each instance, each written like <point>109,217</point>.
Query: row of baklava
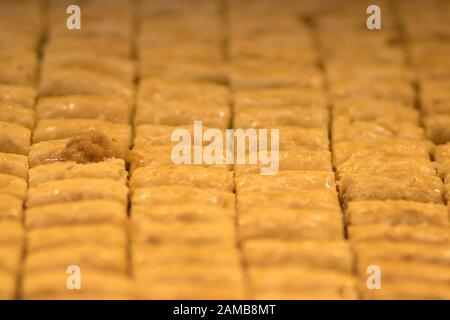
<point>426,27</point>
<point>289,223</point>
<point>269,46</point>
<point>184,244</point>
<point>429,51</point>
<point>184,241</point>
<point>277,54</point>
<point>21,25</point>
<point>76,208</point>
<point>390,189</point>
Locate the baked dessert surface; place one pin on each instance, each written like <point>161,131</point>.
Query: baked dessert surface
<point>89,186</point>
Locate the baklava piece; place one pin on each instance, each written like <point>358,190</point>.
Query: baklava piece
<point>403,251</point>
<point>296,138</point>
<point>326,254</point>
<point>300,283</point>
<point>95,285</point>
<point>11,232</point>
<point>183,233</point>
<point>13,185</point>
<point>14,138</point>
<point>395,90</point>
<point>106,234</point>
<point>273,47</point>
<point>101,45</point>
<point>286,181</point>
<point>399,233</point>
<point>86,212</point>
<point>178,102</point>
<point>161,156</point>
<point>17,115</point>
<point>166,195</point>
<point>256,117</point>
<point>406,290</point>
<point>173,255</point>
<point>109,108</point>
<point>11,238</point>
<point>162,90</point>
<point>10,207</point>
<point>58,259</point>
<point>182,112</point>
<point>287,161</point>
<point>341,70</point>
<point>280,97</point>
<point>12,96</point>
<point>324,200</point>
<point>194,70</point>
<point>60,82</point>
<point>85,148</point>
<point>120,68</point>
<point>113,169</point>
<point>405,270</point>
<point>383,147</point>
<point>189,212</point>
<point>14,165</point>
<point>9,265</point>
<point>260,75</point>
<point>366,130</point>
<point>435,97</point>
<point>53,129</point>
<point>199,282</point>
<point>442,156</point>
<point>396,212</point>
<point>391,186</point>
<point>437,127</point>
<point>380,165</point>
<point>76,190</point>
<point>149,135</point>
<point>9,257</point>
<point>187,51</point>
<point>351,110</point>
<point>19,68</point>
<point>194,176</point>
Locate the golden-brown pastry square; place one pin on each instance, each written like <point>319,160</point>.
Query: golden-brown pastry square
<point>437,127</point>
<point>12,96</point>
<point>110,108</point>
<point>184,175</point>
<point>76,190</point>
<point>392,186</point>
<point>88,212</point>
<point>14,138</point>
<point>60,82</point>
<point>256,117</point>
<point>13,185</point>
<point>113,169</point>
<point>165,195</point>
<point>291,180</point>
<point>288,224</point>
<point>14,164</point>
<point>53,129</point>
<point>396,212</point>
<point>325,200</point>
<point>17,115</point>
<point>381,147</point>
<point>280,97</point>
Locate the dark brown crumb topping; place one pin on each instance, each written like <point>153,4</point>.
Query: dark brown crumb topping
<point>91,147</point>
